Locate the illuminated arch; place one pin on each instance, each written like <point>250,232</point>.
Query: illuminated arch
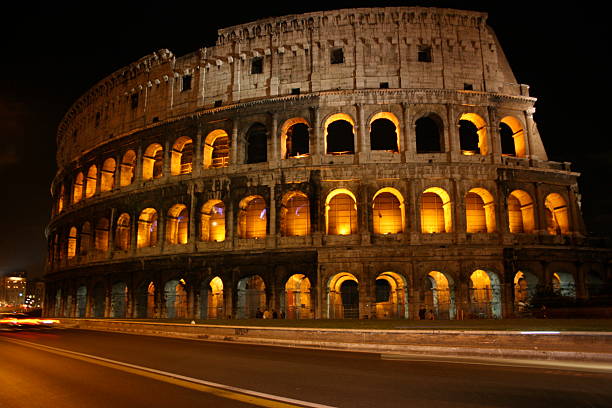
<point>72,243</point>
<point>520,212</point>
<point>438,295</point>
<point>557,219</point>
<point>436,211</point>
<point>297,303</point>
<point>212,300</point>
<point>122,232</point>
<point>341,212</point>
<point>212,221</point>
<point>77,188</point>
<point>128,164</point>
<point>107,176</point>
<point>391,296</point>
<point>175,299</point>
<point>251,297</point>
<point>469,147</point>
<point>181,159</point>
<point>485,295</point>
<point>295,214</point>
<point>479,211</point>
<point>513,143</point>
<point>388,211</point>
<point>525,286</point>
<point>153,162</point>
<point>147,228</point>
<point>253,217</point>
<point>343,296</point>
<point>290,147</point>
<point>102,234</point>
<point>341,147</point>
<point>92,181</point>
<point>216,149</point>
<point>563,284</point>
<point>390,144</point>
<point>177,224</point>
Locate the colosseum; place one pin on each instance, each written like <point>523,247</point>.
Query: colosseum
<point>358,163</point>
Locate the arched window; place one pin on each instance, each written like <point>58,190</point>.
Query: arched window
<point>128,162</point>
<point>72,243</point>
<point>339,135</point>
<point>253,218</point>
<point>216,149</point>
<point>512,137</point>
<point>92,180</point>
<point>77,188</point>
<point>391,296</point>
<point>388,212</point>
<point>177,224</point>
<point>479,211</point>
<point>182,156</point>
<point>85,239</point>
<point>343,296</point>
<point>257,144</point>
<point>341,213</point>
<point>472,134</point>
<point>153,162</point>
<point>485,295</point>
<point>147,228</point>
<point>107,181</point>
<point>101,237</point>
<point>298,302</point>
<point>520,212</point>
<point>428,131</point>
<point>212,221</point>
<point>557,221</point>
<point>435,211</point>
<point>295,214</point>
<point>295,141</point>
<point>122,232</point>
<point>384,132</point>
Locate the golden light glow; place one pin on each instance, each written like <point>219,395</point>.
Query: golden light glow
<point>297,297</point>
<point>518,134</point>
<point>107,181</point>
<point>481,287</point>
<point>283,141</point>
<point>181,156</point>
<point>212,221</point>
<point>122,232</point>
<point>479,211</point>
<point>147,228</point>
<point>102,234</point>
<point>216,149</point>
<point>520,212</point>
<point>557,220</point>
<point>253,218</point>
<point>92,180</point>
<point>152,162</point>
<point>295,214</point>
<point>215,299</point>
<point>77,188</point>
<point>177,224</point>
<point>481,127</point>
<point>435,211</point>
<point>72,243</point>
<point>341,212</point>
<point>128,162</point>
<point>388,211</point>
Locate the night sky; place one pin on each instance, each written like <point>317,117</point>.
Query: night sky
<point>53,52</point>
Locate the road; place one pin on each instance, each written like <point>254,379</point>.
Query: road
<point>43,369</point>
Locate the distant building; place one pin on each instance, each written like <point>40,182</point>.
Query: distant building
<point>35,293</point>
<point>12,291</point>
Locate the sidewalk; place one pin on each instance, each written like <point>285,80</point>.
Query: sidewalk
<point>593,346</point>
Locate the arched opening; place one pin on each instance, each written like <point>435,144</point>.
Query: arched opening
<point>472,134</point>
<point>438,297</point>
<point>512,137</point>
<point>85,239</point>
<point>128,163</point>
<point>391,296</point>
<point>81,301</point>
<point>58,310</point>
<point>388,212</point>
<point>557,221</point>
<point>119,296</point>
<point>295,214</point>
<point>77,188</point>
<point>520,212</point>
<point>341,213</point>
<point>101,235</point>
<point>485,295</point>
<point>60,199</point>
<point>343,296</point>
<point>257,144</point>
<point>211,298</point>
<point>147,228</point>
<point>175,299</point>
<point>92,180</point>
<point>181,159</point>
<point>145,300</point>
<point>295,139</point>
<point>122,232</point>
<point>251,297</point>
<point>107,179</point>
<point>435,211</point>
<point>564,285</point>
<point>72,243</point>
<point>384,132</point>
<point>525,286</point>
<point>177,225</point>
<point>429,133</point>
<point>99,300</point>
<point>216,149</point>
<point>298,303</point>
<point>153,162</point>
<point>212,221</point>
<point>253,218</point>
<point>479,211</point>
<point>339,135</point>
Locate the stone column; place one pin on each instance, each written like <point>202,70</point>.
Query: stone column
<point>167,157</point>
<point>234,145</point>
<point>198,163</point>
<point>362,144</point>
<point>315,134</point>
<point>275,156</point>
<point>408,139</point>
<point>138,165</point>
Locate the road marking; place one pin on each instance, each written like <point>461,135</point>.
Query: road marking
<point>259,399</point>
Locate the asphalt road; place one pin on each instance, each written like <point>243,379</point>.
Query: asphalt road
<point>42,369</point>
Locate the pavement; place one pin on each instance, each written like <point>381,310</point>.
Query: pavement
<point>577,346</point>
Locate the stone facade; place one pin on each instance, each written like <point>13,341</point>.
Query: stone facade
<point>354,163</point>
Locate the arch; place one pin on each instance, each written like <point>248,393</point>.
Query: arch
<point>72,243</point>
<point>107,176</point>
<point>339,134</point>
<point>212,300</point>
<point>257,144</point>
<point>175,299</point>
<point>122,232</point>
<point>77,188</point>
<point>438,296</point>
<point>429,134</point>
<point>388,211</point>
<point>520,212</point>
<point>85,239</point>
<point>119,299</point>
<point>557,220</point>
<point>60,199</point>
<point>479,211</point>
<point>385,132</point>
<point>473,134</point>
<point>181,159</point>
<point>99,300</point>
<point>391,296</point>
<point>92,181</point>
<point>147,228</point>
<point>295,214</point>
<point>216,149</point>
<point>145,300</point>
<point>343,296</point>
<point>251,297</point>
<point>101,234</point>
<point>512,135</point>
<point>295,138</point>
<point>128,164</point>
<point>435,211</point>
<point>177,224</point>
<point>153,162</point>
<point>81,301</point>
<point>212,221</point>
<point>341,212</point>
<point>525,287</point>
<point>298,301</point>
<point>563,284</point>
<point>253,218</point>
<point>485,295</point>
